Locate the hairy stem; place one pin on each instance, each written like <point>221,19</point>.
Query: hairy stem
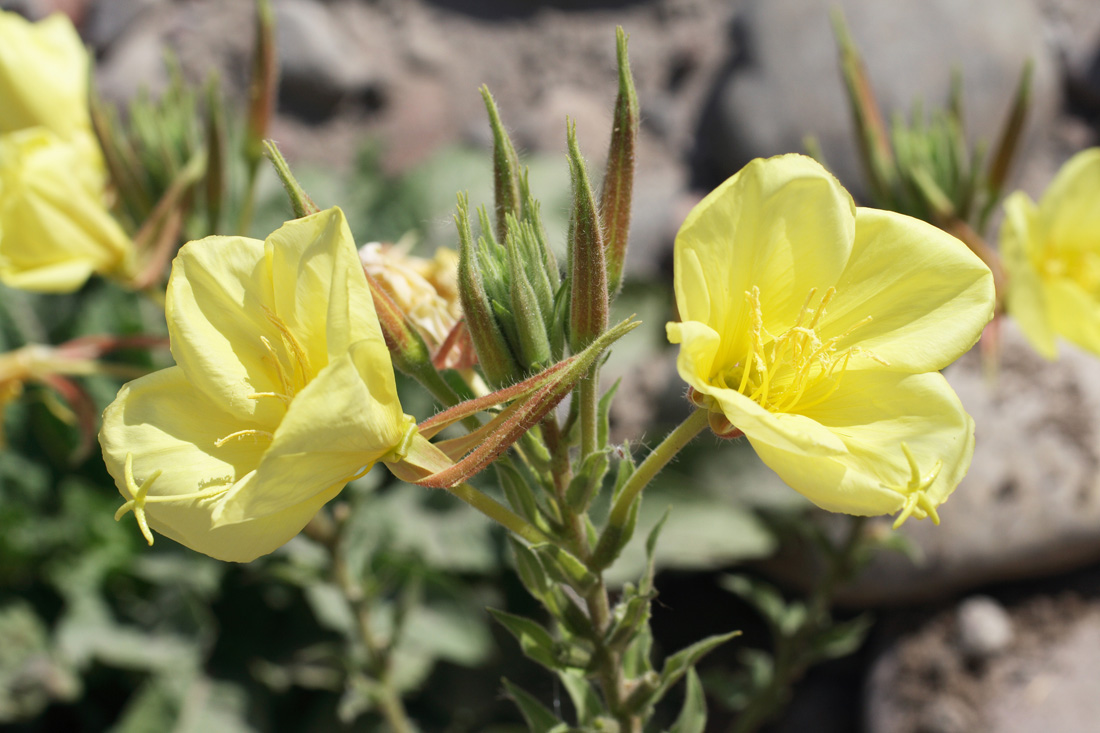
<point>658,458</point>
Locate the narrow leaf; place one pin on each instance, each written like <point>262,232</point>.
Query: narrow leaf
<point>538,718</point>
<point>535,641</point>
<point>679,663</point>
<point>693,716</point>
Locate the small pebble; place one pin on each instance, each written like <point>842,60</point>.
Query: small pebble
<point>984,628</point>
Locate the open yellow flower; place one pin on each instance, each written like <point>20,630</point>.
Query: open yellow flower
<point>1051,253</point>
<point>55,231</point>
<point>43,75</point>
<point>816,328</point>
<point>283,391</point>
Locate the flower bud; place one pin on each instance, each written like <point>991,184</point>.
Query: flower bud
<point>588,271</point>
<point>618,181</point>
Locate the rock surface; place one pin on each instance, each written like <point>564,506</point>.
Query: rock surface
<point>1044,680</point>
<point>784,81</point>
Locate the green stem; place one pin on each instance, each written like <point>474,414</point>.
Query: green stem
<point>609,662</point>
<point>244,222</point>
<point>657,459</point>
<point>325,531</point>
<point>499,513</point>
<point>589,393</point>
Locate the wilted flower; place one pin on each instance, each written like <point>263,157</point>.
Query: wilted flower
<point>425,290</point>
<point>43,76</point>
<point>1051,253</point>
<point>816,329</point>
<point>283,392</point>
<point>55,231</point>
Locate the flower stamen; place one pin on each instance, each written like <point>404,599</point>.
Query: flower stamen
<point>294,346</point>
<point>243,434</point>
<point>779,371</point>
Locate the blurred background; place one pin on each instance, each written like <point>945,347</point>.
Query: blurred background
<point>990,622</point>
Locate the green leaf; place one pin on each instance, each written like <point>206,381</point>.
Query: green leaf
<point>534,640</point>
<point>585,700</point>
<point>603,426</point>
<point>636,658</point>
<point>587,481</point>
<point>539,719</point>
<point>679,663</point>
<point>842,639</point>
<point>651,552</point>
<point>783,618</point>
<point>693,715</point>
<point>529,569</point>
<point>331,609</point>
<point>566,567</point>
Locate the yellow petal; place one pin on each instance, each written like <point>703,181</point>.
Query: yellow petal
<point>783,224</point>
<point>319,287</point>
<point>873,414</point>
<point>43,75</point>
<point>215,307</point>
<point>1069,206</point>
<point>1021,241</point>
<point>699,345</point>
<point>927,295</point>
<point>169,426</point>
<point>335,427</point>
<point>1075,313</point>
<point>54,228</point>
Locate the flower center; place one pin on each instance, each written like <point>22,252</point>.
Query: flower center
<point>292,372</point>
<point>796,369</point>
<point>1080,266</point>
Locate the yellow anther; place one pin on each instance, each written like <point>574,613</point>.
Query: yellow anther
<point>243,434</point>
<point>281,397</point>
<point>140,494</point>
<point>917,503</point>
<point>301,360</point>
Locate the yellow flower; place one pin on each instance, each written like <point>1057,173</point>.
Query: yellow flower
<point>1052,256</point>
<point>425,290</point>
<point>817,328</point>
<point>55,231</point>
<point>43,75</point>
<point>283,391</point>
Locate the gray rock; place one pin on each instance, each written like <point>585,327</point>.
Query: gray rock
<point>1044,681</point>
<point>1075,34</point>
<point>984,628</point>
<point>135,62</point>
<point>106,22</point>
<point>320,63</point>
<point>1057,691</point>
<point>786,81</point>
